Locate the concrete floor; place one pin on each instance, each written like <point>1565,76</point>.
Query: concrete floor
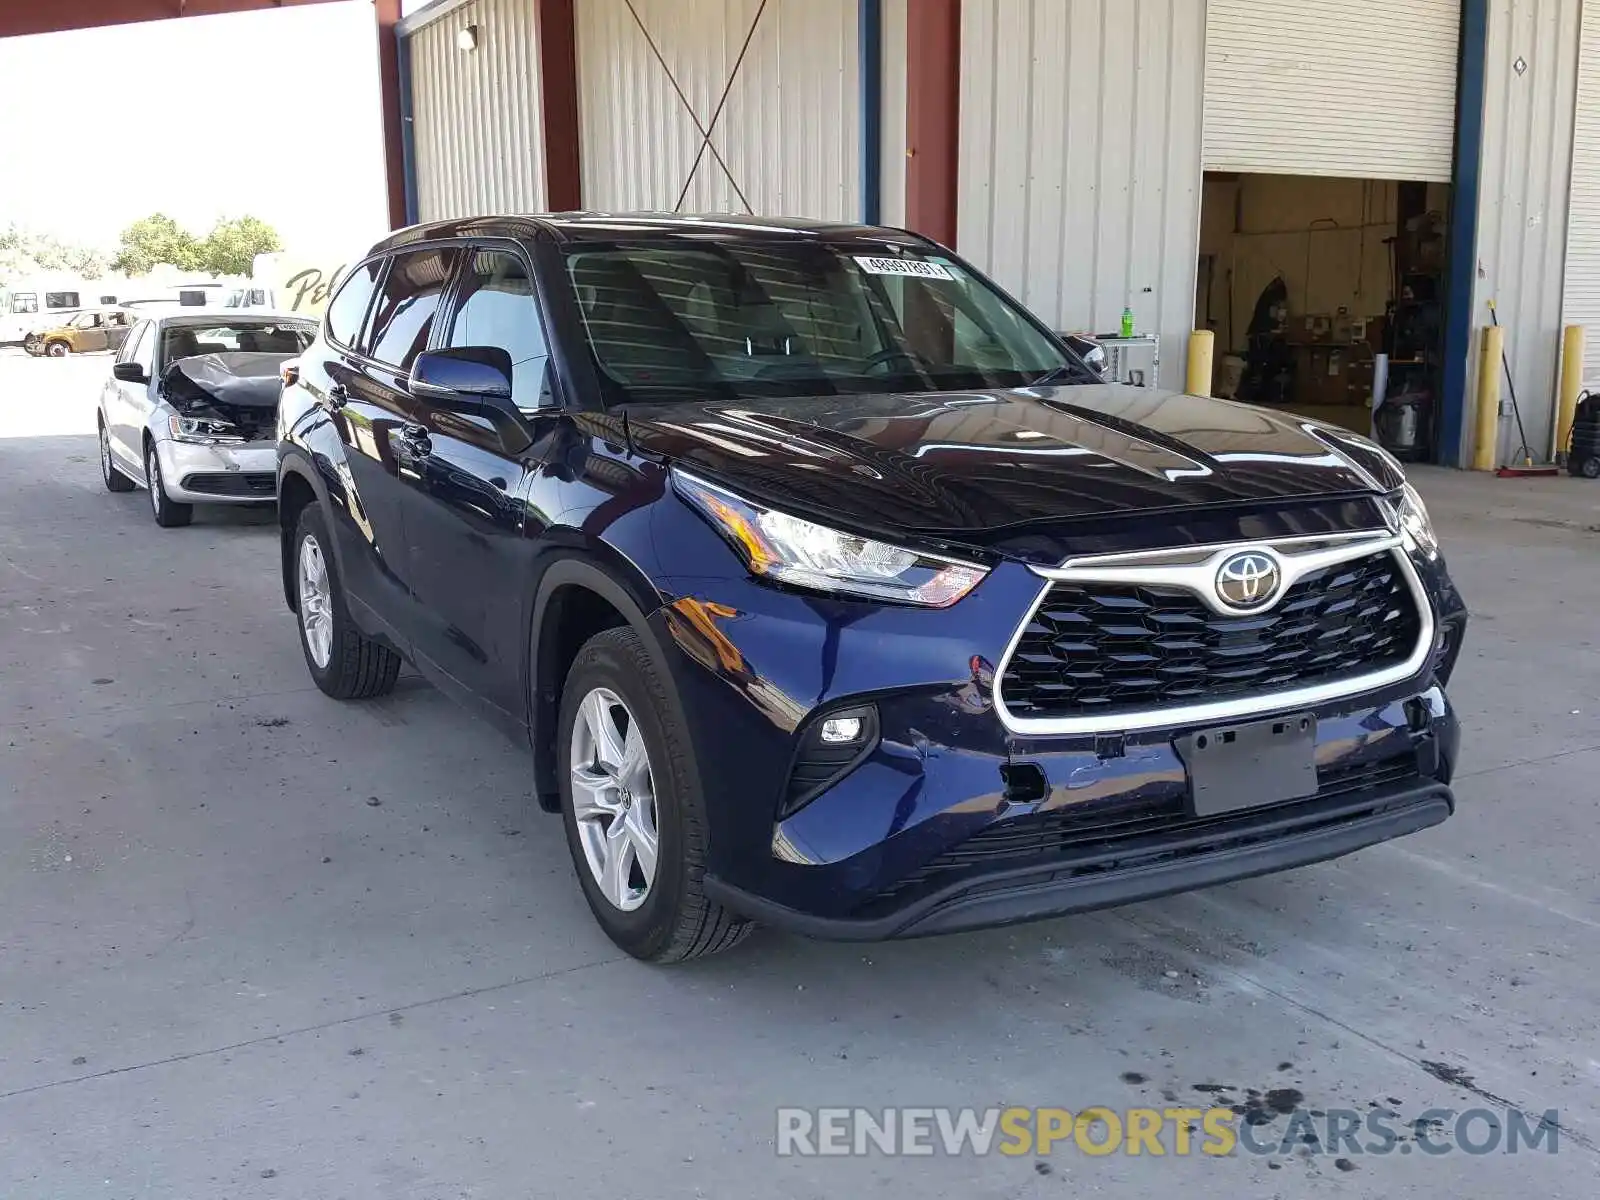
<point>260,944</point>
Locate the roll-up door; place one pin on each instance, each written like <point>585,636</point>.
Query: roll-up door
<point>1362,88</point>
<point>1582,300</point>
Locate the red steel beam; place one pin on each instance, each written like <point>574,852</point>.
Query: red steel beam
<point>933,117</point>
<point>394,148</point>
<point>558,90</point>
<point>22,17</point>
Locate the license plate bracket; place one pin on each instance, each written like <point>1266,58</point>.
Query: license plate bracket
<point>1236,767</point>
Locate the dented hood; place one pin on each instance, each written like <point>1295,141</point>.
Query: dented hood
<point>240,379</point>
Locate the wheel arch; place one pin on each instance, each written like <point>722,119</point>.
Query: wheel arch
<point>579,594</point>
<point>298,488</point>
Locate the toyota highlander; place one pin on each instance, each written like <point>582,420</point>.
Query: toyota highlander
<point>832,591</point>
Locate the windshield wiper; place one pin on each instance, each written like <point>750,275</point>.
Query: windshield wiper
<point>1066,372</point>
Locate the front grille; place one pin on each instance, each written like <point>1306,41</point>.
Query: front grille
<point>261,485</point>
<point>1108,648</point>
<point>1096,837</point>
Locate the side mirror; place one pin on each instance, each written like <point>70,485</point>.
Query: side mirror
<point>129,372</point>
<point>1091,351</point>
<point>468,378</point>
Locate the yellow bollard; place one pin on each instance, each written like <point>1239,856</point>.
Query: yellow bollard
<point>1488,441</point>
<point>1571,385</point>
<point>1202,346</point>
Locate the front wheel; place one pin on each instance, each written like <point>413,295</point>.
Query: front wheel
<point>631,804</point>
<point>344,662</point>
<point>115,480</point>
<point>168,513</point>
<point>58,349</point>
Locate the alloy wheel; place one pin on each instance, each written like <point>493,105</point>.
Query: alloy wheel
<point>152,474</point>
<point>105,455</point>
<point>316,602</point>
<point>613,799</point>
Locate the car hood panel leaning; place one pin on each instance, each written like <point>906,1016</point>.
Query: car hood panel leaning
<point>954,464</point>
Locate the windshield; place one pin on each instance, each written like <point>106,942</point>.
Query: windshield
<point>188,341</point>
<point>765,319</point>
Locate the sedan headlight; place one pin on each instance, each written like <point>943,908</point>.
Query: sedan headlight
<point>204,430</point>
<point>795,551</point>
<point>1411,515</point>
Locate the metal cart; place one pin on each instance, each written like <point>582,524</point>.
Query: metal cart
<point>1134,360</point>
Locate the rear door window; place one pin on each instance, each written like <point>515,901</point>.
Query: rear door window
<point>402,316</point>
<point>347,311</point>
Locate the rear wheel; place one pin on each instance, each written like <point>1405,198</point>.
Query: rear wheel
<point>168,514</point>
<point>115,480</point>
<point>344,662</point>
<point>57,349</point>
<point>631,804</point>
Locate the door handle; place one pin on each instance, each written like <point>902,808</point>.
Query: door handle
<point>415,439</point>
<point>336,397</point>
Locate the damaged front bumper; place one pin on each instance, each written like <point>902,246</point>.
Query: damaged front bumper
<point>219,473</point>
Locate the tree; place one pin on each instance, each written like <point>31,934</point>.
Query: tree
<point>23,253</point>
<point>232,246</point>
<point>156,239</point>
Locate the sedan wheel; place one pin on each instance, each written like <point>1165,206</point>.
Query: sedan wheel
<point>169,513</point>
<point>316,602</point>
<point>57,349</point>
<point>613,799</point>
<point>115,480</point>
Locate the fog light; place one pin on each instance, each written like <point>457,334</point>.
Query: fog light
<point>837,731</point>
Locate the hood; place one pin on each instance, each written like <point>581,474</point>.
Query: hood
<point>241,387</point>
<point>957,465</point>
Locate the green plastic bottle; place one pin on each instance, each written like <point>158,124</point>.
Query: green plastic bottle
<point>1127,322</point>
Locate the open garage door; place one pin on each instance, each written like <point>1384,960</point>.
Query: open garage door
<point>1357,88</point>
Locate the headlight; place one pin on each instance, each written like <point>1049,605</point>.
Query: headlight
<point>1411,514</point>
<point>778,546</point>
<point>203,430</point>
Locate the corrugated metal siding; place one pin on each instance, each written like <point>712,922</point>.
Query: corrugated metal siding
<point>1080,159</point>
<point>789,132</point>
<point>479,130</point>
<point>892,202</point>
<point>1582,298</point>
<point>1522,200</point>
<point>1362,88</point>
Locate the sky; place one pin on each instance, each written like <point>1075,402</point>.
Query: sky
<point>199,118</point>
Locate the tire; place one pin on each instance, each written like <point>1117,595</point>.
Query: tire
<point>168,513</point>
<point>351,666</point>
<point>57,349</point>
<point>114,479</point>
<point>673,919</point>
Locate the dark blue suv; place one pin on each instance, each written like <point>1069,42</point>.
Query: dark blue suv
<point>832,591</point>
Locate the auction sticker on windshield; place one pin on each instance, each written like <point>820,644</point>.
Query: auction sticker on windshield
<point>916,268</point>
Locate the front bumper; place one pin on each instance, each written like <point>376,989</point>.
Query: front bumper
<point>953,821</point>
<point>244,473</point>
<point>1112,873</point>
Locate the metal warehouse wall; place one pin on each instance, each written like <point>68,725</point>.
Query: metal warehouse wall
<point>892,176</point>
<point>1522,201</point>
<point>1080,159</point>
<point>477,122</point>
<point>1582,300</point>
<point>788,130</point>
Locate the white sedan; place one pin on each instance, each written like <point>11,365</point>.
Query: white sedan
<point>191,409</point>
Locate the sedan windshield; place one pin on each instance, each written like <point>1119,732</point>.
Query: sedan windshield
<point>766,319</point>
<point>189,341</point>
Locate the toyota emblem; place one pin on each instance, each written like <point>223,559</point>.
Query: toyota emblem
<point>1247,580</point>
